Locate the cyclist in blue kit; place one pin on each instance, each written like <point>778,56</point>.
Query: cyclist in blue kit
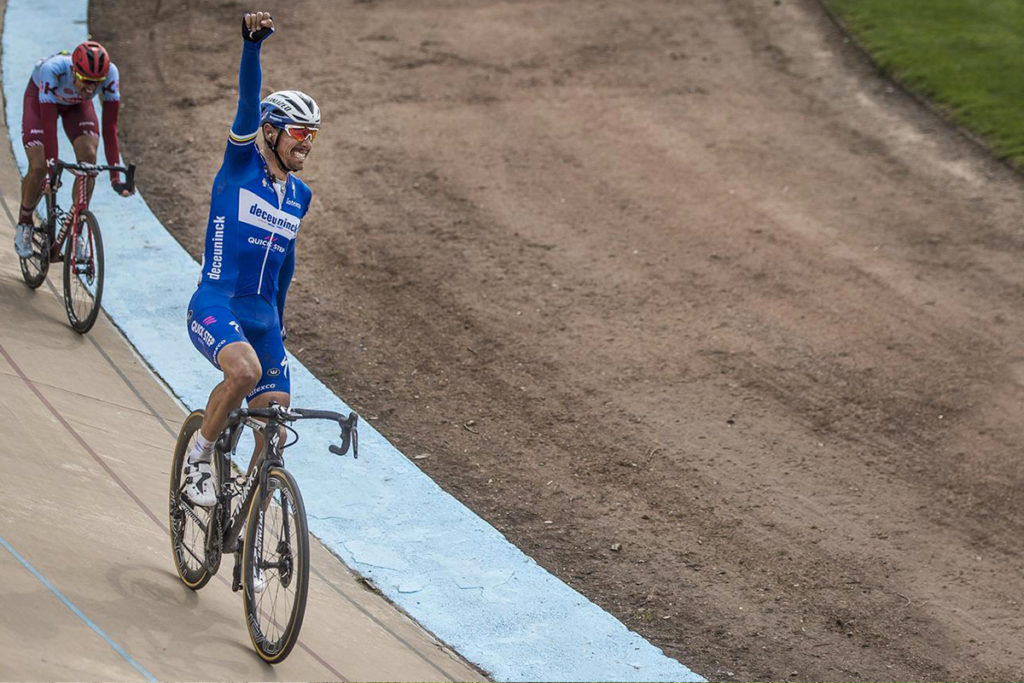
<point>257,204</point>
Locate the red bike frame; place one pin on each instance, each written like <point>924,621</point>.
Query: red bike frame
<point>68,220</point>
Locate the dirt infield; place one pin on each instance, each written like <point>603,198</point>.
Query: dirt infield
<point>704,316</point>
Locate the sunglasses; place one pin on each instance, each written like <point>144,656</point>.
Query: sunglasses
<point>301,133</point>
<point>83,79</point>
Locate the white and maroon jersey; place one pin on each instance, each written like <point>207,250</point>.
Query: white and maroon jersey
<point>56,82</point>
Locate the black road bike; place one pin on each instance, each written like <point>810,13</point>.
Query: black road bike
<point>259,516</point>
<point>78,243</point>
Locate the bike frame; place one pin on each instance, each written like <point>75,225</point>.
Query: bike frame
<point>273,552</point>
<point>268,456</point>
<point>228,539</point>
<point>55,215</point>
<point>230,524</point>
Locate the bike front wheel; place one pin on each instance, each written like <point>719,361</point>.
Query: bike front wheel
<point>190,524</point>
<point>83,273</point>
<point>275,566</point>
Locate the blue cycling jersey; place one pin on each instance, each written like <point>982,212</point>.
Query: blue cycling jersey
<point>250,246</point>
<point>250,236</point>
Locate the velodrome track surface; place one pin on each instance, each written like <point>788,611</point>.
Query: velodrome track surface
<point>90,592</point>
<point>529,602</point>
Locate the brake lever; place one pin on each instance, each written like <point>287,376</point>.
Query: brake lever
<point>129,182</point>
<point>349,435</point>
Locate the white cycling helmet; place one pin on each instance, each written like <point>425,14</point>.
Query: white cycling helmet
<point>286,107</point>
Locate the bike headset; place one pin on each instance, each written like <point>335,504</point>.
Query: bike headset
<point>288,107</point>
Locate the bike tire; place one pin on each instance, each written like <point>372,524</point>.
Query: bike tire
<point>83,281</point>
<point>188,533</point>
<point>286,583</point>
<point>35,268</point>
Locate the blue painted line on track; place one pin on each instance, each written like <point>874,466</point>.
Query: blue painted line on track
<point>450,570</point>
<point>77,612</point>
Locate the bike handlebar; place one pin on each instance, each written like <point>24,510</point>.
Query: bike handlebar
<point>349,432</point>
<point>87,169</point>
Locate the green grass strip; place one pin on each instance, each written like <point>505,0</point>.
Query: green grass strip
<point>966,56</point>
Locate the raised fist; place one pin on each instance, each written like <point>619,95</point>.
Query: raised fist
<point>256,26</point>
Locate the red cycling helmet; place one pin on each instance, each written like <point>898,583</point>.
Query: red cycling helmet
<point>90,61</point>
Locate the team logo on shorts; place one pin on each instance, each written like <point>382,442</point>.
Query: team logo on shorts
<point>201,332</point>
<point>273,372</point>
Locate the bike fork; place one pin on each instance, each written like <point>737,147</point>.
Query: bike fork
<point>236,574</point>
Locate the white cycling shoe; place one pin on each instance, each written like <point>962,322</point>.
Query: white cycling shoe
<point>199,487</point>
<point>23,240</point>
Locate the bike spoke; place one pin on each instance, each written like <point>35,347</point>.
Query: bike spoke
<point>83,272</point>
<point>83,286</point>
<point>190,512</point>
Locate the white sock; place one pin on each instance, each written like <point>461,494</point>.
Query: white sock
<point>202,451</point>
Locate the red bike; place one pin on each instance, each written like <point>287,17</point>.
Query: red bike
<point>78,243</point>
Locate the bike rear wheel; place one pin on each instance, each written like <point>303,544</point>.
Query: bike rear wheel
<point>276,555</point>
<point>83,273</point>
<point>190,524</point>
<point>35,267</point>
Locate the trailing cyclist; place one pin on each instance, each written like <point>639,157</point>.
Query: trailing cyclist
<point>257,204</point>
<point>63,86</point>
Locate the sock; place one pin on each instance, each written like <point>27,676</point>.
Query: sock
<point>202,451</point>
<point>25,215</point>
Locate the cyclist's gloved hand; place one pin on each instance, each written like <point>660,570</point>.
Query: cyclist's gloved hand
<point>256,26</point>
<point>126,188</point>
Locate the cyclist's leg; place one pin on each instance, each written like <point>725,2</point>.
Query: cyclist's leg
<point>241,368</point>
<point>32,139</point>
<point>262,401</point>
<point>85,150</point>
<point>31,191</point>
<point>217,334</point>
<point>82,128</point>
<point>264,332</point>
<point>268,397</point>
<point>32,183</point>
